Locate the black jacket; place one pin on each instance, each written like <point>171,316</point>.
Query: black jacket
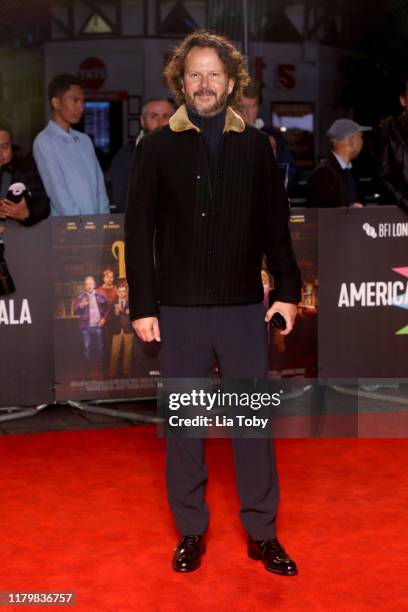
<point>394,159</point>
<point>327,186</point>
<point>24,170</point>
<point>283,155</point>
<point>211,221</point>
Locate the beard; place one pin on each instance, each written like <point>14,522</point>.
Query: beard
<point>218,105</point>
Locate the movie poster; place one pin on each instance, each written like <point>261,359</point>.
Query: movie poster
<point>295,355</point>
<point>97,355</point>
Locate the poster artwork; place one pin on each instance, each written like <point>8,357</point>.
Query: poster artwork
<point>96,352</point>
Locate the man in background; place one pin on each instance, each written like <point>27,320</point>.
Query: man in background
<point>156,112</point>
<point>66,158</point>
<point>249,110</point>
<point>35,205</point>
<point>332,183</point>
<point>394,153</point>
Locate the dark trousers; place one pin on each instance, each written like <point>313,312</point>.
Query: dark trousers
<point>236,334</point>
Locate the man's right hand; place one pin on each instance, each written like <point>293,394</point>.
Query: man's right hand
<point>147,329</point>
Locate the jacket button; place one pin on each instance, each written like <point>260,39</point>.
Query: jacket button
<point>198,176</point>
<point>219,174</point>
<point>203,214</point>
<point>210,253</point>
<point>210,291</point>
<point>215,214</point>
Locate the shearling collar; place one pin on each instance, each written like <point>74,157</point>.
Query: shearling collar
<point>180,121</point>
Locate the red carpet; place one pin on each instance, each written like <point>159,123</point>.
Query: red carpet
<point>85,511</point>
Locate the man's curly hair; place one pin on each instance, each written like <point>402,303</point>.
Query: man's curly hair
<point>233,60</point>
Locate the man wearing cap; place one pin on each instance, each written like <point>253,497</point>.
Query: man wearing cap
<point>332,183</point>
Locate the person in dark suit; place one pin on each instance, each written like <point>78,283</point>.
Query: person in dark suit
<point>248,108</point>
<point>332,183</point>
<point>156,112</point>
<point>21,175</point>
<point>207,193</point>
<point>35,205</point>
<point>393,153</point>
<point>122,332</point>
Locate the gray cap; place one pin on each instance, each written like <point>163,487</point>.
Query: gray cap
<point>342,128</point>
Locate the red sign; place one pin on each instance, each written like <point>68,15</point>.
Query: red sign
<point>286,75</point>
<point>92,72</point>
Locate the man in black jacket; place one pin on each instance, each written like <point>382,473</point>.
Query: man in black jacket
<point>394,154</point>
<point>156,112</point>
<point>249,109</point>
<point>35,205</point>
<point>31,208</point>
<point>207,190</point>
<point>332,183</point>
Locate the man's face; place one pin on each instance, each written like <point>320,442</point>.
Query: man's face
<point>404,100</point>
<point>206,84</point>
<point>356,143</point>
<point>70,106</point>
<point>122,293</point>
<point>248,109</point>
<point>156,115</point>
<point>108,278</point>
<point>6,151</point>
<point>89,284</point>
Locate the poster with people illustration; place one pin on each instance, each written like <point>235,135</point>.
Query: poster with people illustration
<point>97,355</point>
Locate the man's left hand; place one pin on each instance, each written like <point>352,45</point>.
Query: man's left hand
<point>288,312</point>
<point>11,210</point>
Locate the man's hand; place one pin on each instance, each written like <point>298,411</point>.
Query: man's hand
<point>18,211</point>
<point>288,312</point>
<point>357,205</point>
<point>147,329</point>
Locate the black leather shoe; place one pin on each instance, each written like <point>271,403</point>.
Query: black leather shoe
<point>188,553</point>
<point>273,555</point>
